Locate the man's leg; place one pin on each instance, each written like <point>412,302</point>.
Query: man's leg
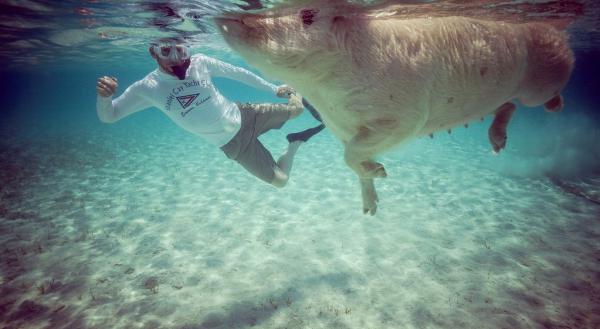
<point>286,160</point>
<point>258,161</point>
<point>255,157</point>
<point>284,165</point>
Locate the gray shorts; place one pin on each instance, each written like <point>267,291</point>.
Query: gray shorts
<point>246,149</point>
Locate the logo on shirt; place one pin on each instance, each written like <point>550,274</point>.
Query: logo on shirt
<point>198,103</point>
<point>188,95</point>
<point>187,100</point>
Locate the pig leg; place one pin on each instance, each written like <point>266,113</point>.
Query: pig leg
<point>360,151</point>
<point>358,155</point>
<point>497,131</point>
<point>369,196</point>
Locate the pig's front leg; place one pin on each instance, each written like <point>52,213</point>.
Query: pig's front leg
<point>358,155</point>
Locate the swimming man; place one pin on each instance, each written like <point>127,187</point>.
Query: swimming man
<point>182,88</point>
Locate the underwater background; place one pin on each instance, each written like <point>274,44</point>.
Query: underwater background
<point>139,224</point>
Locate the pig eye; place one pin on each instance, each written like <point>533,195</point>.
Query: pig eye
<point>308,16</point>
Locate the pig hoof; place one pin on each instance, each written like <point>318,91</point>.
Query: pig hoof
<point>370,211</point>
<point>498,142</point>
<point>370,205</point>
<point>555,104</point>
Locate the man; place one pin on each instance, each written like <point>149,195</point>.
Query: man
<point>182,88</point>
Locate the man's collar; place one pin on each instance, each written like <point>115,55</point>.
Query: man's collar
<point>164,75</point>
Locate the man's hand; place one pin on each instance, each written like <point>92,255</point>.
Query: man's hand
<point>285,91</point>
<point>106,86</point>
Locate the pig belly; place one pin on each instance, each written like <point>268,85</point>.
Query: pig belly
<point>461,98</point>
<point>448,116</point>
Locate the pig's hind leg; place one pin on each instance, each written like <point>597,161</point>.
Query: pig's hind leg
<point>497,131</point>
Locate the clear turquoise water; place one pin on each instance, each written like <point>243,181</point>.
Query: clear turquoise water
<point>139,224</point>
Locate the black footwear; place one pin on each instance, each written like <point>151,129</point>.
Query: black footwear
<point>305,134</point>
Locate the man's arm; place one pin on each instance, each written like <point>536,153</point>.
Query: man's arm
<point>221,69</point>
<point>129,102</point>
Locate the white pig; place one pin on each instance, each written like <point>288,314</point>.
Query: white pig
<point>379,81</point>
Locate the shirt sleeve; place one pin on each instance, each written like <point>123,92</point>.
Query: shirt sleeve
<point>221,69</point>
<point>131,101</point>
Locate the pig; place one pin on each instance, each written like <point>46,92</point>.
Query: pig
<point>378,81</point>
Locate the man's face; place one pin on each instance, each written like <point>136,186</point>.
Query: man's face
<point>173,59</point>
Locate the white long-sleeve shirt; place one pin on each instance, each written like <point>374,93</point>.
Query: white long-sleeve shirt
<point>193,104</point>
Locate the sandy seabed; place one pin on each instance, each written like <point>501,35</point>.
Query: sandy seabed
<point>154,230</point>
